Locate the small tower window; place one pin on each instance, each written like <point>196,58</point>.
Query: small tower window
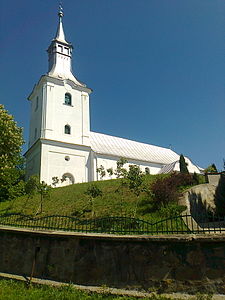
<point>67,129</point>
<point>60,48</point>
<point>67,50</point>
<point>68,99</point>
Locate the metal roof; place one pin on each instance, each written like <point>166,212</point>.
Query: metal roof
<point>120,147</point>
<point>175,166</point>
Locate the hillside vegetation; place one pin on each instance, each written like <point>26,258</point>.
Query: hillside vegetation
<point>152,198</point>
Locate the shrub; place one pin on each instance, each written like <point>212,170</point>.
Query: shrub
<point>165,190</point>
<point>171,210</point>
<point>93,191</point>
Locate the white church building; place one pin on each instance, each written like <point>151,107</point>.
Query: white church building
<point>61,143</point>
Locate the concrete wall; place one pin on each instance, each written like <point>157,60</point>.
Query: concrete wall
<point>184,263</point>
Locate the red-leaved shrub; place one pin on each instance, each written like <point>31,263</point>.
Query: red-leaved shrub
<point>165,190</point>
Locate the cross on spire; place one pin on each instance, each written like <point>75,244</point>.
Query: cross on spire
<point>60,32</point>
<point>60,13</point>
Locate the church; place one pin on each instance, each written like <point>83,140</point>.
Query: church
<point>61,143</point>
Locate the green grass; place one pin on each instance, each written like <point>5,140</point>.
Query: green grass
<point>116,200</point>
<point>13,290</point>
<point>16,290</point>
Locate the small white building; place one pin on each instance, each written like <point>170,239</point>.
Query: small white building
<point>60,141</point>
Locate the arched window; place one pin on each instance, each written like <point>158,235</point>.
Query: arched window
<point>67,179</point>
<point>68,99</point>
<point>67,129</point>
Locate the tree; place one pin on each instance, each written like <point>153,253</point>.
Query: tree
<point>93,191</point>
<point>135,179</point>
<point>34,186</point>
<point>211,169</point>
<point>101,171</point>
<point>120,170</point>
<point>183,165</point>
<point>11,160</point>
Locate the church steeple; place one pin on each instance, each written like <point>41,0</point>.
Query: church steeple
<point>60,55</point>
<point>60,36</point>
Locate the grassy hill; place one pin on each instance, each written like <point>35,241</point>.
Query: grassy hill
<point>116,200</point>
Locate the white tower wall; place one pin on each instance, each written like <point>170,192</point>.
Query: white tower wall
<point>59,143</point>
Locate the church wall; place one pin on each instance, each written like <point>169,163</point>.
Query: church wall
<point>36,116</point>
<point>33,161</point>
<point>110,162</point>
<point>58,114</point>
<point>57,161</point>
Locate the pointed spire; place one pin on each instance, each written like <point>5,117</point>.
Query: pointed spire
<point>60,36</point>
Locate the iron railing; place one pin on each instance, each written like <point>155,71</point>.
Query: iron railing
<point>117,225</point>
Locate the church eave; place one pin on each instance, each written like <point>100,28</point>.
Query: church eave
<point>59,143</point>
<point>129,158</point>
<point>82,88</point>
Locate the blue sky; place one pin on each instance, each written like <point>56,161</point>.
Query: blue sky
<point>156,67</point>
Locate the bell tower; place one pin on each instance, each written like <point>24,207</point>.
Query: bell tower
<point>59,114</point>
<point>60,55</point>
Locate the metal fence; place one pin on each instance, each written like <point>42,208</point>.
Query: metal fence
<point>116,225</point>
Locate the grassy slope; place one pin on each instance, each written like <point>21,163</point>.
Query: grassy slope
<point>13,290</point>
<point>72,200</point>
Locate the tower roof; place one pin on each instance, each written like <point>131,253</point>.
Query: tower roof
<point>60,36</point>
<point>60,55</point>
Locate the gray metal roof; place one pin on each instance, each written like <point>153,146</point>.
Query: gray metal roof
<point>120,147</point>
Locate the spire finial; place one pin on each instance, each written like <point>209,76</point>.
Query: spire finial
<point>60,33</point>
<point>60,13</point>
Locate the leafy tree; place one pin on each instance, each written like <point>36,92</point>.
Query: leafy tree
<point>211,169</point>
<point>183,165</point>
<point>34,186</point>
<point>110,171</point>
<point>93,191</point>
<point>101,171</point>
<point>120,170</point>
<point>55,181</point>
<point>135,179</point>
<point>11,162</point>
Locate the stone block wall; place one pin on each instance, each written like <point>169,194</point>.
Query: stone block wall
<point>184,263</point>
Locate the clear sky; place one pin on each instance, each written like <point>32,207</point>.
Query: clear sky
<point>156,67</point>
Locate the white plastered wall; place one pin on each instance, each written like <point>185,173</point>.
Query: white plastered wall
<point>33,157</point>
<point>110,162</point>
<point>57,114</point>
<point>35,116</point>
<point>59,160</point>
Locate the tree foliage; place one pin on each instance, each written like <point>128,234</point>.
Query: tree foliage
<point>211,169</point>
<point>11,162</point>
<point>93,191</point>
<point>101,171</point>
<point>34,186</point>
<point>183,165</point>
<point>120,170</point>
<point>135,179</point>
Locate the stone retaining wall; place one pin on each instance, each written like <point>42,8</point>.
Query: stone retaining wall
<point>182,263</point>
